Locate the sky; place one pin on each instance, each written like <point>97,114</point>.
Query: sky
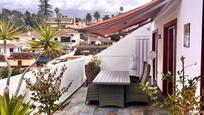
<point>75,8</point>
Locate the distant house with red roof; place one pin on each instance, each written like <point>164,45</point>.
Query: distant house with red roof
<point>22,59</point>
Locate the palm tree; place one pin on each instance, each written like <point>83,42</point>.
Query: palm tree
<point>46,44</point>
<point>106,17</point>
<point>57,12</point>
<point>45,9</point>
<point>121,9</point>
<point>8,32</point>
<point>88,18</point>
<point>97,15</point>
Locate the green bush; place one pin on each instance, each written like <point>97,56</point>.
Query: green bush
<point>4,72</point>
<point>16,71</point>
<point>14,106</point>
<point>97,63</point>
<point>46,90</point>
<point>2,58</point>
<point>183,101</point>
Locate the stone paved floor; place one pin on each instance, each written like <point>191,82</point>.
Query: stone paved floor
<point>77,107</point>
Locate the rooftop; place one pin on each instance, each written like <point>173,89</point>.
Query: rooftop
<point>67,32</point>
<point>77,107</point>
<point>98,38</point>
<point>9,45</point>
<point>22,55</point>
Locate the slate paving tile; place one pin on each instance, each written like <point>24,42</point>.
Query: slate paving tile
<point>77,107</point>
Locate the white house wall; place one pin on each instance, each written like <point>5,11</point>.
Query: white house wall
<point>8,51</point>
<point>75,73</point>
<point>76,37</point>
<point>186,11</point>
<point>120,55</point>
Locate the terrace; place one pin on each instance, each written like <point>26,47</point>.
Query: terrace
<point>77,106</point>
<point>126,58</point>
<point>118,58</point>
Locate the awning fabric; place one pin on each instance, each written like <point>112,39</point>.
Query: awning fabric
<point>126,20</point>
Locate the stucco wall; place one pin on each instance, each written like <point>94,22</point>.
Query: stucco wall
<point>186,11</point>
<point>75,73</point>
<point>8,50</point>
<point>120,55</point>
<point>25,62</point>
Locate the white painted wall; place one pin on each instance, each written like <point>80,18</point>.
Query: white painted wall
<point>120,55</point>
<point>76,37</point>
<point>75,74</point>
<point>186,11</point>
<point>8,51</point>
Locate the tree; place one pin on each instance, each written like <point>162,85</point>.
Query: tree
<point>88,18</point>
<point>57,12</point>
<point>45,9</point>
<point>97,15</point>
<point>45,44</point>
<point>8,32</point>
<point>13,16</point>
<point>121,9</point>
<point>28,19</point>
<point>106,17</point>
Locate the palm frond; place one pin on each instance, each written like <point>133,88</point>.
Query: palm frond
<point>8,31</point>
<point>45,42</point>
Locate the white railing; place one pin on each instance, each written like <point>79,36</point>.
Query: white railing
<point>75,73</point>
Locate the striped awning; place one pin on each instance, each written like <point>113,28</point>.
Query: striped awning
<point>131,18</point>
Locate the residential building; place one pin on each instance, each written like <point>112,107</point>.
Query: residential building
<point>10,48</point>
<point>176,27</point>
<point>24,37</point>
<point>68,38</point>
<point>98,40</point>
<point>22,59</point>
<point>65,22</point>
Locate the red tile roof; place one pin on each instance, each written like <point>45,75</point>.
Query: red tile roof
<point>128,19</point>
<point>22,55</point>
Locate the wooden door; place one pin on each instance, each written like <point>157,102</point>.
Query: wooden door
<point>169,61</point>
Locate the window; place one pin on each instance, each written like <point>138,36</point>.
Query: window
<point>93,42</point>
<point>33,38</point>
<point>56,39</point>
<point>19,63</point>
<point>65,39</point>
<point>11,49</point>
<point>73,41</point>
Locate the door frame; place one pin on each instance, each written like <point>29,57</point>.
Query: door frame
<point>165,57</point>
<point>155,61</point>
<point>202,64</point>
